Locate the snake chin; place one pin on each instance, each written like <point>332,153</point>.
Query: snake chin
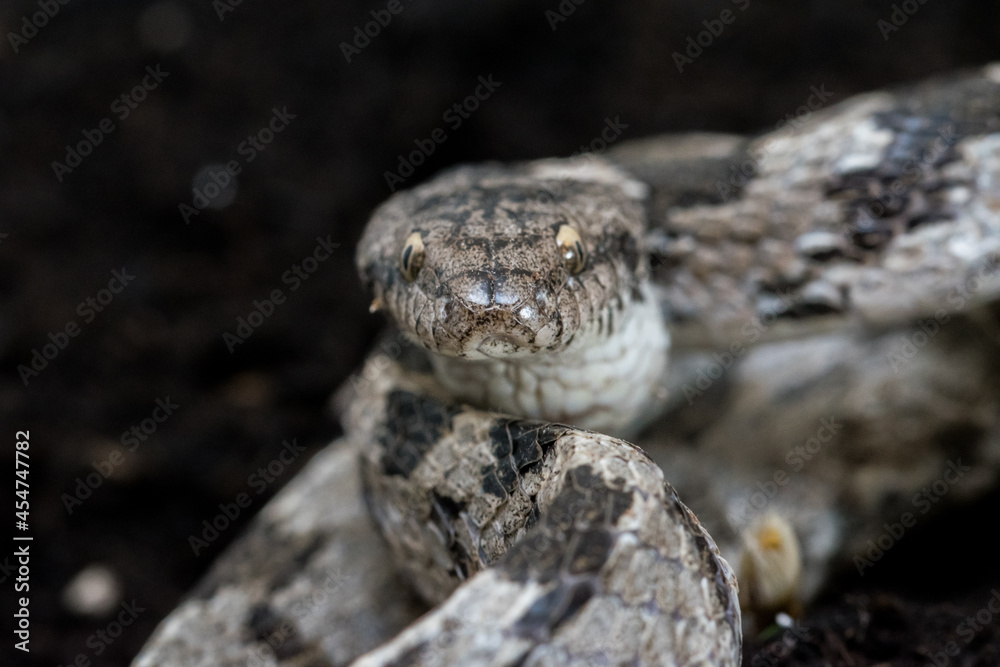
<point>492,330</point>
<point>498,346</point>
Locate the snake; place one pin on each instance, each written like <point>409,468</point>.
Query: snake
<point>492,467</point>
<point>629,405</point>
<point>493,457</point>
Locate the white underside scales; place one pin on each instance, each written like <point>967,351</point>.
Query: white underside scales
<point>608,383</point>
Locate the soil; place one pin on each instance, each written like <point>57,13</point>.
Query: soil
<point>121,297</point>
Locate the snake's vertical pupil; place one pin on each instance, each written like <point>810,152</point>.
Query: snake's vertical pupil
<point>412,257</point>
<point>571,246</point>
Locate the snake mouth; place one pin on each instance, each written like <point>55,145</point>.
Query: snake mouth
<point>483,334</point>
<point>498,346</point>
<point>474,328</point>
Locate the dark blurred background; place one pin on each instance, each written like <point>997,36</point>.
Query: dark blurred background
<point>140,102</point>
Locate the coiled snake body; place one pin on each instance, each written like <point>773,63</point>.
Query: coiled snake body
<point>532,281</point>
<point>830,290</point>
<point>528,286</point>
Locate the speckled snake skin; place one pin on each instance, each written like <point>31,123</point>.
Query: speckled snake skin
<point>550,293</point>
<point>594,558</point>
<point>826,365</point>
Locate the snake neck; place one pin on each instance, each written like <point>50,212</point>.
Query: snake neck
<point>612,382</point>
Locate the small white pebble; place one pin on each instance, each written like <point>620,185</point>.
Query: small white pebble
<point>94,591</point>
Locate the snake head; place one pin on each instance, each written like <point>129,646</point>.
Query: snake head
<point>496,262</point>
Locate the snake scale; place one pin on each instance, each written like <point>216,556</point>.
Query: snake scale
<point>801,329</point>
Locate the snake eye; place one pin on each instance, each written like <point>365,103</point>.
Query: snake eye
<point>412,257</point>
<point>571,247</point>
